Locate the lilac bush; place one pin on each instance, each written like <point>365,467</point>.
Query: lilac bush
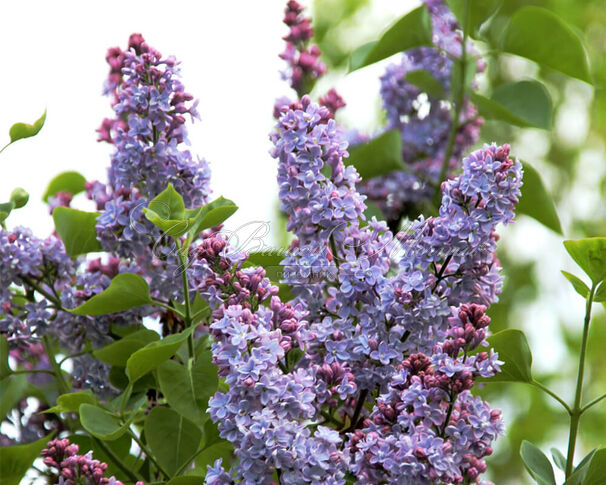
<point>178,357</point>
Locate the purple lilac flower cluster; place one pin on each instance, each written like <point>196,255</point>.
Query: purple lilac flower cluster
<point>381,327</point>
<point>450,260</point>
<point>304,65</point>
<point>428,427</point>
<point>268,408</point>
<point>218,276</point>
<point>74,469</point>
<point>265,412</point>
<point>28,262</point>
<point>424,120</point>
<point>148,133</point>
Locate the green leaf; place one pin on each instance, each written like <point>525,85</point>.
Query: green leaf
<point>5,210</point>
<point>72,182</point>
<point>600,293</point>
<point>479,12</point>
<point>527,100</point>
<point>580,287</point>
<point>491,110</point>
<point>167,211</point>
<point>118,352</point>
<point>412,30</point>
<point>188,388</point>
<point>16,460</point>
<point>70,403</point>
<point>76,229</point>
<point>12,389</point>
<point>558,459</point>
<point>5,369</point>
<point>513,349</point>
<point>580,471</point>
<point>127,290</point>
<point>191,480</point>
<point>537,464</point>
<point>209,215</point>
<point>378,156</point>
<point>423,80</point>
<point>101,423</point>
<point>541,36</point>
<point>293,356</point>
<point>536,201</point>
<point>153,354</point>
<point>23,130</point>
<point>596,471</point>
<point>220,449</point>
<point>269,260</point>
<point>590,255</point>
<point>172,438</point>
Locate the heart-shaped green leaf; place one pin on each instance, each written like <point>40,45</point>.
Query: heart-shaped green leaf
<point>72,182</point>
<point>528,101</point>
<point>513,349</point>
<point>378,156</point>
<point>543,37</point>
<point>537,464</point>
<point>118,352</point>
<point>24,130</point>
<point>578,285</point>
<point>126,290</point>
<point>172,438</point>
<point>590,255</point>
<point>536,201</point>
<point>187,388</point>
<point>70,403</point>
<point>16,460</point>
<point>209,215</point>
<point>76,229</point>
<point>154,353</point>
<point>412,30</point>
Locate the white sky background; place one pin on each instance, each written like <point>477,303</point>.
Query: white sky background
<point>53,55</point>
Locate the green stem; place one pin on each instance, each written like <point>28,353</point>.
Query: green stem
<point>73,356</point>
<point>117,461</point>
<point>168,307</point>
<point>577,410</point>
<point>56,368</point>
<point>458,105</point>
<point>33,371</point>
<point>187,317</point>
<point>44,293</point>
<point>593,403</point>
<point>148,453</point>
<point>552,394</point>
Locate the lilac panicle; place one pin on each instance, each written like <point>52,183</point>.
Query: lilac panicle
<point>303,59</point>
<point>427,427</point>
<point>72,469</point>
<point>450,260</point>
<point>151,106</point>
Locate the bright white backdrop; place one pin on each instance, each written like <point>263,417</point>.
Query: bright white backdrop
<point>53,58</point>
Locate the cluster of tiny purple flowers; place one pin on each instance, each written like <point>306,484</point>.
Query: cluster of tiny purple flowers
<point>367,372</point>
<point>73,469</point>
<point>304,64</point>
